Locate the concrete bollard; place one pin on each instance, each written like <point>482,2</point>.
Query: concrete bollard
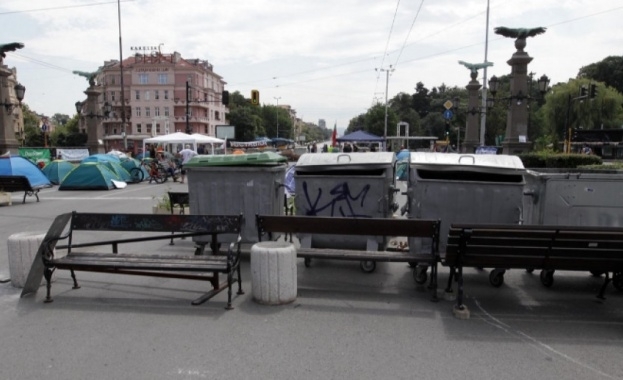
<point>22,249</point>
<point>273,272</point>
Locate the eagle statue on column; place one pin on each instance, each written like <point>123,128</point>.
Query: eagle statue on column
<point>12,46</point>
<point>519,33</point>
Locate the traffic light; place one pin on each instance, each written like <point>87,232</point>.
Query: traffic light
<point>583,91</point>
<point>593,91</point>
<point>225,98</point>
<point>255,97</point>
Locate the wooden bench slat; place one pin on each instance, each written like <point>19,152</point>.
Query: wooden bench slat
<point>348,226</point>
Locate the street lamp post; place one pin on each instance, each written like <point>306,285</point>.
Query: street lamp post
<point>123,118</point>
<point>277,99</point>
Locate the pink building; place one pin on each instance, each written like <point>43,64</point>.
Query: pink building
<point>155,97</point>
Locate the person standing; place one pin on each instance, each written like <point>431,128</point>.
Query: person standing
<point>186,154</point>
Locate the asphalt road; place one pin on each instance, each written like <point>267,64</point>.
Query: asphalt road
<point>345,324</point>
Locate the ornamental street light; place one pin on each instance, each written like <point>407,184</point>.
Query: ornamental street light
<point>20,90</point>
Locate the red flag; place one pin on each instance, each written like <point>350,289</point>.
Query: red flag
<point>334,135</point>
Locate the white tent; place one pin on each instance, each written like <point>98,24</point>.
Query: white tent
<point>183,138</point>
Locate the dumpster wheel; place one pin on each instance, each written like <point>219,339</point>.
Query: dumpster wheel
<point>419,274</point>
<point>496,277</point>
<point>547,277</point>
<point>368,266</point>
<point>617,280</point>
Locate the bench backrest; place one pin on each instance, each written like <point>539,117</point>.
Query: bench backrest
<point>347,226</point>
<point>547,247</point>
<point>185,225</point>
<point>11,183</point>
<point>210,224</point>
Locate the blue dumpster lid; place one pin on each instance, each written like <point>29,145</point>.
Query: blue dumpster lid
<point>250,159</point>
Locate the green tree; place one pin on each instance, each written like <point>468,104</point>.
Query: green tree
<point>609,71</point>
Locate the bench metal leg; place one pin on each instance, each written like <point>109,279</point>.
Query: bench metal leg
<point>239,281</point>
<point>47,273</point>
<point>450,278</point>
<point>73,277</point>
<point>604,286</point>
<point>459,298</point>
<point>433,281</point>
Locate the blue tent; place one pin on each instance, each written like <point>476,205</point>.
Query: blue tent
<point>17,165</point>
<point>89,176</point>
<point>57,170</point>
<point>360,136</point>
<point>119,171</point>
<point>101,158</point>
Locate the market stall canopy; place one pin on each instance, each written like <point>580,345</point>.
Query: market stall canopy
<point>183,138</point>
<point>360,136</point>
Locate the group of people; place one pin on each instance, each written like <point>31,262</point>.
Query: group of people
<point>173,165</point>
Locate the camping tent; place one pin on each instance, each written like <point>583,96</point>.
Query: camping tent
<point>17,165</point>
<point>360,136</point>
<point>89,176</point>
<point>119,171</point>
<point>100,158</point>
<point>57,170</point>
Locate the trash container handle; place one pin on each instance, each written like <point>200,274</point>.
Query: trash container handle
<point>343,155</point>
<point>472,157</point>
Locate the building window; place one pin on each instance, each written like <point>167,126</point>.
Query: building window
<point>166,111</point>
<point>158,128</point>
<point>166,94</point>
<point>147,112</point>
<point>112,96</point>
<point>138,128</point>
<point>137,95</point>
<point>112,79</point>
<point>217,115</point>
<point>137,111</point>
<point>149,128</point>
<point>156,111</point>
<point>114,131</point>
<point>156,94</point>
<point>143,78</point>
<point>147,96</point>
<point>162,78</point>
<point>205,129</point>
<point>105,96</point>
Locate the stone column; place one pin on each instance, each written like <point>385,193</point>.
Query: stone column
<point>472,126</point>
<point>516,138</point>
<point>7,121</point>
<point>95,130</point>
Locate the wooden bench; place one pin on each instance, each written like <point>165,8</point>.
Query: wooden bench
<point>82,256</point>
<point>305,226</point>
<point>549,248</point>
<point>13,183</point>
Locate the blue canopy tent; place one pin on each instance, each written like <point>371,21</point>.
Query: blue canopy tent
<point>17,165</point>
<point>360,136</point>
<point>101,158</point>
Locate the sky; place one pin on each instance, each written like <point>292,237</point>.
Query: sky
<point>328,60</point>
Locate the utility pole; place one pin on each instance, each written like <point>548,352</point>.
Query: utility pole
<point>277,99</point>
<point>387,71</point>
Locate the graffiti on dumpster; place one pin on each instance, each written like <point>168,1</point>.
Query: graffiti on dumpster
<point>342,202</point>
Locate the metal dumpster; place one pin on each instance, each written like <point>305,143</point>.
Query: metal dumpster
<point>574,197</point>
<point>346,185</point>
<point>463,188</point>
<point>237,183</point>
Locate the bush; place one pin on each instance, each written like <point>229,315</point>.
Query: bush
<point>557,160</point>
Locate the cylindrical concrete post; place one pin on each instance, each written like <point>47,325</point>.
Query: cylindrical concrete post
<point>22,249</point>
<point>273,272</point>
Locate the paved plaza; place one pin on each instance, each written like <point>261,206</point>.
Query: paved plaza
<point>344,324</point>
